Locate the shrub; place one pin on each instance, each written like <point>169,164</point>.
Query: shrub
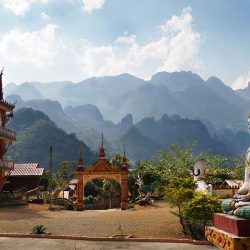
<point>130,206</point>
<point>39,229</point>
<point>56,207</point>
<point>198,212</point>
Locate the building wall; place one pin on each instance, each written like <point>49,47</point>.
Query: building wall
<point>223,193</point>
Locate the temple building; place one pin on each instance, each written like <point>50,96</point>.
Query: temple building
<point>6,136</point>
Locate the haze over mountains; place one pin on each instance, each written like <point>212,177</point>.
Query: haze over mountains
<point>142,114</point>
<point>36,132</point>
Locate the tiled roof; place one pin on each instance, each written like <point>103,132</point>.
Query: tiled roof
<point>26,169</point>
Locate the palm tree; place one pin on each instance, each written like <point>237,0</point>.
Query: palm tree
<point>110,187</point>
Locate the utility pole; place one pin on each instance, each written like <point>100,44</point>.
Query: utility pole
<point>50,175</point>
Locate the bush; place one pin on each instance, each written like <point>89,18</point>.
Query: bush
<point>198,212</point>
<point>130,206</point>
<point>39,229</point>
<point>56,207</point>
<point>195,209</point>
<point>89,199</point>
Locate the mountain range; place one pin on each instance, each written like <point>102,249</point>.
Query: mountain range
<point>183,93</point>
<point>36,133</point>
<point>147,116</point>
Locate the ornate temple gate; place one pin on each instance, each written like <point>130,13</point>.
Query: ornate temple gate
<point>101,169</point>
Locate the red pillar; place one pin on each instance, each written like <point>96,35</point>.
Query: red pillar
<point>79,204</point>
<point>124,190</point>
<point>124,182</point>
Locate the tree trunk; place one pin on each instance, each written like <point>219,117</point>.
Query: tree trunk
<point>110,202</point>
<point>181,221</point>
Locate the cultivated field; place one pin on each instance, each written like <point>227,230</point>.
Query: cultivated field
<point>151,221</point>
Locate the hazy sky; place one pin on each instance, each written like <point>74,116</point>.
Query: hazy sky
<point>52,40</point>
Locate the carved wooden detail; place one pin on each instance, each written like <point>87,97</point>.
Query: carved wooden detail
<point>225,240</point>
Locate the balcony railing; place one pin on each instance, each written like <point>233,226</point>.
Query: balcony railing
<point>6,133</point>
<point>6,164</point>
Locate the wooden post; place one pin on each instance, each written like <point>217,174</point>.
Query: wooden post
<point>50,175</point>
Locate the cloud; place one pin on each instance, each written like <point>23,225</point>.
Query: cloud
<point>126,39</point>
<point>90,5</point>
<point>37,48</point>
<point>184,43</point>
<point>45,17</point>
<point>242,81</point>
<point>176,49</point>
<point>20,7</point>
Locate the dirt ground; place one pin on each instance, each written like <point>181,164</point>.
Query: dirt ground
<point>151,221</point>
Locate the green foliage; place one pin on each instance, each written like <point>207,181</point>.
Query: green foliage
<point>129,206</point>
<point>111,187</point>
<point>39,229</point>
<point>46,179</point>
<point>64,174</point>
<point>93,187</point>
<point>198,212</point>
<point>132,189</point>
<point>200,209</point>
<point>220,168</point>
<point>116,160</point>
<point>66,171</point>
<point>195,210</point>
<point>91,199</point>
<point>180,190</point>
<point>54,207</point>
<point>177,162</point>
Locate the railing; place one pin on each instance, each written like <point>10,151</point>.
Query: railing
<point>6,164</point>
<point>7,133</point>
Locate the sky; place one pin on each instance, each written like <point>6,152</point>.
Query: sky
<point>61,40</point>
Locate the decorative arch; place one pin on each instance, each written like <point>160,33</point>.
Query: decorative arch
<point>101,169</point>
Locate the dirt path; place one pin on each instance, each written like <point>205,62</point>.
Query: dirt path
<point>153,221</point>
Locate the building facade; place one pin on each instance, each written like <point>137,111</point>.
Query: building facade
<point>6,135</point>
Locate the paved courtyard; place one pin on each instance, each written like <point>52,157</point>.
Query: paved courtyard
<point>52,244</point>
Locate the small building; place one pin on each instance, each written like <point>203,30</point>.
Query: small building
<point>6,135</point>
<point>25,176</point>
<point>231,184</point>
<point>227,188</point>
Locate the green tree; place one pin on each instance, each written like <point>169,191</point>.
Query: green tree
<point>220,168</point>
<point>65,171</point>
<point>116,160</point>
<point>111,187</point>
<point>45,181</point>
<point>177,162</point>
<point>177,193</point>
<point>194,209</point>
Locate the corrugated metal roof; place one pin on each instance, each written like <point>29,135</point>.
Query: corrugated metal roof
<point>232,183</point>
<point>26,169</point>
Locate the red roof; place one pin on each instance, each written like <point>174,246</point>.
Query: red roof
<point>26,169</point>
